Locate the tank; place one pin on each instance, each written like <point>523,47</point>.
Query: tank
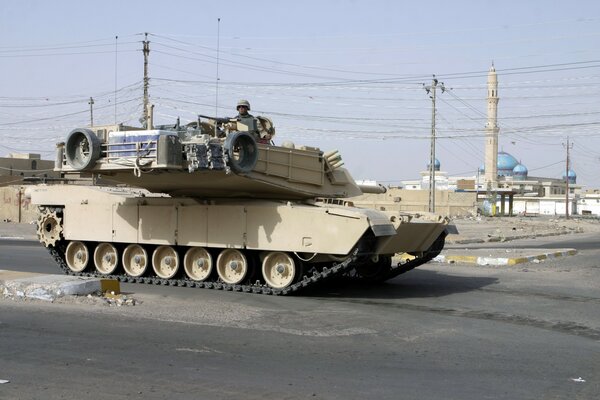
<point>215,204</point>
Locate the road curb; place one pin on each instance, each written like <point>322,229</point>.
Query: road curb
<point>483,260</point>
<point>46,287</point>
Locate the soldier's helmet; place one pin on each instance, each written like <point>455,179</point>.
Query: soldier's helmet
<point>245,103</point>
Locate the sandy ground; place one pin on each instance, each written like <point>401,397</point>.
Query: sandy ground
<point>482,229</point>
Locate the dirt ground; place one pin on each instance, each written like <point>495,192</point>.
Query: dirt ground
<point>492,229</point>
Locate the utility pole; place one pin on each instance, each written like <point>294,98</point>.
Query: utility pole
<point>91,103</point>
<point>568,146</point>
<point>146,79</point>
<point>431,90</point>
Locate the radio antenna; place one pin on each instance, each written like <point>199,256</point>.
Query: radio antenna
<point>217,80</point>
<point>116,52</point>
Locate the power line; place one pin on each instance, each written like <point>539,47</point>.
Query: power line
<point>58,116</point>
<point>281,62</point>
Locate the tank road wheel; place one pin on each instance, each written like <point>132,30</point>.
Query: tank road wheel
<point>279,270</point>
<point>165,262</point>
<point>198,263</point>
<point>232,266</point>
<point>135,260</point>
<point>49,228</point>
<point>77,256</point>
<point>106,258</point>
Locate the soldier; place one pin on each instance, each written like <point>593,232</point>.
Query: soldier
<point>243,106</point>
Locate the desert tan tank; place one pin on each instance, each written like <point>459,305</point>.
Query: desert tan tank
<point>207,205</point>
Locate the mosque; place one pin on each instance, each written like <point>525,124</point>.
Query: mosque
<point>503,184</point>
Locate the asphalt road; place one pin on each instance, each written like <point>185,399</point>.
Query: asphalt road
<point>442,331</point>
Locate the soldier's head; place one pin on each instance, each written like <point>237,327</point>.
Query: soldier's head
<point>243,106</point>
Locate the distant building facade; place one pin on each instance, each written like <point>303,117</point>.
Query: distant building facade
<point>17,166</point>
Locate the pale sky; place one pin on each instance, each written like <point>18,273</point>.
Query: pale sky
<point>344,75</point>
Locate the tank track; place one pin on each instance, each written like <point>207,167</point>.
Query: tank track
<point>58,254</point>
<point>343,270</point>
<point>401,267</point>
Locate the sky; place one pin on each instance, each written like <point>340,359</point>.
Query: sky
<point>345,75</point>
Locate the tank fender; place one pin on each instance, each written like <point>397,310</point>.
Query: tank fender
<point>379,222</point>
<point>242,151</point>
<point>82,149</point>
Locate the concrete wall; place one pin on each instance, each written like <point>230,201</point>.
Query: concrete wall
<point>15,207</point>
<point>447,202</point>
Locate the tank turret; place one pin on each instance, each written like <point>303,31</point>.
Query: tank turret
<point>210,161</point>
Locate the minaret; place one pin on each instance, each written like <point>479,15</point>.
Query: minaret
<point>491,131</point>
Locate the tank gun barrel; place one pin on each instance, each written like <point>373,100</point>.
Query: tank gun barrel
<point>217,119</point>
<point>369,188</point>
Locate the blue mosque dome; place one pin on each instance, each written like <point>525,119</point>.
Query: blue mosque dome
<point>572,176</point>
<point>506,164</point>
<point>520,171</point>
<point>436,165</point>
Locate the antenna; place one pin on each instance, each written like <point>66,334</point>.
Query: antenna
<point>217,78</point>
<point>116,58</point>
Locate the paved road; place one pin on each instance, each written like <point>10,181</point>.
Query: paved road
<point>441,331</point>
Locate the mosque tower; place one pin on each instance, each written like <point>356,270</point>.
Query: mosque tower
<point>491,131</point>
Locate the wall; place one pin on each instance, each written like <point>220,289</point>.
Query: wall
<point>447,203</point>
<point>15,207</point>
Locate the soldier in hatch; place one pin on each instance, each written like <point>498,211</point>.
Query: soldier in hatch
<point>243,106</point>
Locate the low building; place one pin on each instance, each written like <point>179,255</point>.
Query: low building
<point>589,203</point>
<point>18,166</point>
<point>15,170</point>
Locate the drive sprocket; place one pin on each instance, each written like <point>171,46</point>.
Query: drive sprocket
<point>49,227</point>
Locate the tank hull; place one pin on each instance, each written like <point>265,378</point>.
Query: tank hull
<point>313,235</point>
